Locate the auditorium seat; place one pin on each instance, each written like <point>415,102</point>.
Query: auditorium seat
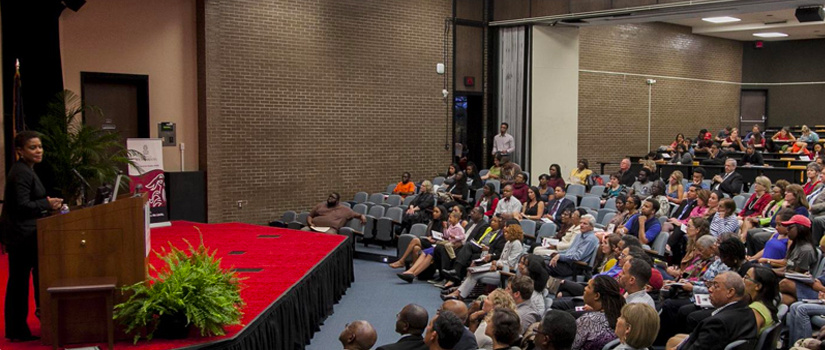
<point>375,212</point>
<point>597,190</point>
<point>393,200</point>
<point>591,202</point>
<point>385,227</point>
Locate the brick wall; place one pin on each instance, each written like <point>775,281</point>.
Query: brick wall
<point>307,97</point>
<point>613,109</point>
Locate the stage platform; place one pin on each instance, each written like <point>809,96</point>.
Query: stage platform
<point>292,280</point>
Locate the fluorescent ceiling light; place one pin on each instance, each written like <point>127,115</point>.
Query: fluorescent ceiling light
<point>725,19</point>
<point>770,35</point>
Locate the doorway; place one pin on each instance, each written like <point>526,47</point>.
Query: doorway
<point>123,102</point>
<point>468,130</point>
<point>753,110</point>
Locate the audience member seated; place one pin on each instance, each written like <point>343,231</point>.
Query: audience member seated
<point>783,136</point>
<point>627,207</point>
<point>358,335</point>
<point>491,240</point>
<point>613,189</point>
<point>723,134</point>
<point>733,140</point>
<point>637,326</point>
<point>725,218</point>
<point>757,141</point>
<point>644,225</point>
<point>761,287</point>
<point>533,208</point>
<point>813,183</point>
<point>753,232</point>
<point>558,205</point>
<point>680,138</point>
<point>627,176</point>
<point>459,309</point>
<point>444,259</point>
<point>713,203</point>
<point>507,261</point>
<point>452,238</point>
<point>716,156</point>
<point>704,140</point>
<point>579,175</point>
<point>798,320</point>
<point>675,190</point>
<point>657,193</point>
<point>567,291</point>
<point>563,264</point>
<point>596,328</point>
<point>494,173</point>
<point>698,177</point>
<point>752,157</point>
<point>456,193</point>
<point>817,210</point>
<point>570,229</point>
<point>544,189</point>
<point>444,331</point>
<point>509,170</point>
<point>634,278</point>
<point>450,175</point>
<point>688,143</point>
<point>808,137</point>
<point>420,209</point>
<point>755,131</point>
<point>759,200</point>
<point>520,187</point>
<point>732,320</point>
<point>330,216</point>
<point>686,254</point>
<point>474,181</point>
<point>694,204</point>
<point>410,323</point>
<point>405,187</point>
<point>520,288</point>
<point>489,201</point>
<point>437,223</point>
<point>504,329</point>
<point>642,185</point>
<point>533,266</point>
<point>609,252</point>
<point>801,259</point>
<point>730,182</point>
<point>557,331</point>
<point>775,250</point>
<point>556,179</point>
<point>498,298</point>
<point>509,206</point>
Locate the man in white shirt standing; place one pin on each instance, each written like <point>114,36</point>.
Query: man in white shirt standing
<point>504,143</point>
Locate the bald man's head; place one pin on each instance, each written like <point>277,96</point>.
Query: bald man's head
<point>457,307</point>
<point>412,320</point>
<point>358,335</point>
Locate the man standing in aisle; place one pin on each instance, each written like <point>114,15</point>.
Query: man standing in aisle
<point>504,143</point>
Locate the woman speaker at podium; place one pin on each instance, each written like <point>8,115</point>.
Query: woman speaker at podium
<point>25,202</point>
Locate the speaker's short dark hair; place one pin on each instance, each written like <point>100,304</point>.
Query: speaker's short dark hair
<point>640,269</point>
<point>23,137</point>
<point>560,328</point>
<point>449,329</point>
<point>523,285</point>
<point>506,325</point>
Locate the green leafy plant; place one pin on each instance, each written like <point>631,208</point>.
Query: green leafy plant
<point>70,144</point>
<point>193,284</point>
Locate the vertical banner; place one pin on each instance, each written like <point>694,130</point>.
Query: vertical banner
<point>149,174</point>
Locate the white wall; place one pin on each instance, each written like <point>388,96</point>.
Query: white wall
<point>151,37</point>
<point>555,99</point>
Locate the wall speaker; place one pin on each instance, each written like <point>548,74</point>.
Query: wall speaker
<point>74,5</point>
<point>810,14</point>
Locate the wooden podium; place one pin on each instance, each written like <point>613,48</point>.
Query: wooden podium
<point>106,240</point>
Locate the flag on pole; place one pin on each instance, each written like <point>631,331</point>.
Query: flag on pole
<point>18,117</point>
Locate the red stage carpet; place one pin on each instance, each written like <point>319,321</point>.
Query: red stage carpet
<point>301,278</point>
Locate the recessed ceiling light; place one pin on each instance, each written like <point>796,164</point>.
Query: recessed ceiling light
<point>725,19</point>
<point>770,35</point>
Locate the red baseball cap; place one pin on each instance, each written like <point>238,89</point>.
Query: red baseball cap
<point>798,219</point>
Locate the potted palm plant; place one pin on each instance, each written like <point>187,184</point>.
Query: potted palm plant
<point>96,154</point>
<point>191,290</point>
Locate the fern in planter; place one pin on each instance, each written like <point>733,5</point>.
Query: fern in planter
<point>192,284</point>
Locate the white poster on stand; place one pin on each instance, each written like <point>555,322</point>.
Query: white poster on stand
<point>150,158</point>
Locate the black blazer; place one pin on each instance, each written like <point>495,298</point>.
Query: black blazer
<point>753,159</point>
<point>565,204</point>
<point>410,342</point>
<point>687,211</point>
<point>497,245</point>
<point>734,322</point>
<point>732,185</point>
<point>628,178</point>
<point>477,231</point>
<point>467,341</point>
<point>25,202</point>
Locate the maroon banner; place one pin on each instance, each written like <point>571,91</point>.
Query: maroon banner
<point>153,183</point>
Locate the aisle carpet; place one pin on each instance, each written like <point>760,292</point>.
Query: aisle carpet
<point>285,257</point>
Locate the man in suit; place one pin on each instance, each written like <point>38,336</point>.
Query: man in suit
<point>817,211</point>
<point>558,205</point>
<point>358,335</point>
<point>732,319</point>
<point>444,331</point>
<point>730,182</point>
<point>410,323</point>
<point>459,308</point>
<point>627,177</point>
<point>475,228</point>
<point>490,239</point>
